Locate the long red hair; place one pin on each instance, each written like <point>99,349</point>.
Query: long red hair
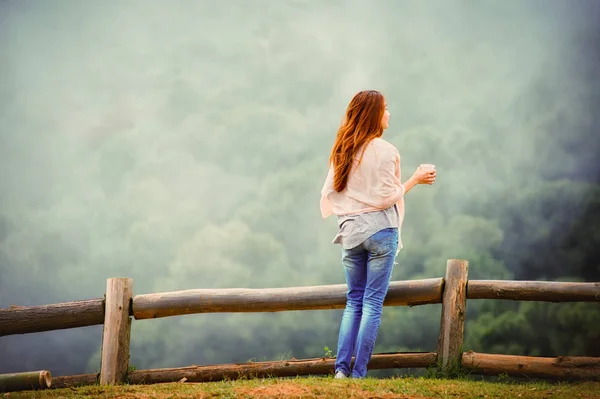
<point>361,125</point>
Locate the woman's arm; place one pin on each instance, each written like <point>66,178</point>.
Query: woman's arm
<point>390,188</point>
<point>419,177</point>
<point>410,183</point>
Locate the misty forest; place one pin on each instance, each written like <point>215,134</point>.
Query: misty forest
<point>184,144</point>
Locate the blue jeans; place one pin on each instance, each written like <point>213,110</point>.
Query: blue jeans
<point>368,270</point>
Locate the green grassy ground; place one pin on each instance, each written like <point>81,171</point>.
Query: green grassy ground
<point>327,387</point>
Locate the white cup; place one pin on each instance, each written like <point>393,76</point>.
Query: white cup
<point>427,167</point>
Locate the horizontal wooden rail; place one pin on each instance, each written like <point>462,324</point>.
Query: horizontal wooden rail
<point>288,368</point>
<point>400,293</point>
<point>77,380</point>
<point>478,363</point>
<point>30,319</point>
<point>563,367</point>
<point>548,291</point>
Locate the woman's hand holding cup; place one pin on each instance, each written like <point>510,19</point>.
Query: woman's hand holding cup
<point>425,174</point>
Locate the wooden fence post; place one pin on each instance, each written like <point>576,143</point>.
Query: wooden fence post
<point>117,329</point>
<point>454,301</point>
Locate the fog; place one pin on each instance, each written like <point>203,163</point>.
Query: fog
<point>184,144</point>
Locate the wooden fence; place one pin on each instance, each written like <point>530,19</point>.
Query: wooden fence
<point>119,305</point>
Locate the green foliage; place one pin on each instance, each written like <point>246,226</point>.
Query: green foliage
<point>515,328</point>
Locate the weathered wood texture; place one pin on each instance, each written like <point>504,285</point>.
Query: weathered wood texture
<point>117,330</point>
<point>563,367</point>
<point>453,313</point>
<point>548,291</point>
<point>415,292</point>
<point>78,380</point>
<point>29,380</point>
<point>287,368</point>
<point>30,319</point>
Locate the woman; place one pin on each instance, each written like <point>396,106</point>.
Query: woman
<point>363,188</point>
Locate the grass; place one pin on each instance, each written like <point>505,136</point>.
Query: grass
<point>327,387</point>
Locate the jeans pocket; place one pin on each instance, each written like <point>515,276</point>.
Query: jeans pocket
<point>383,242</point>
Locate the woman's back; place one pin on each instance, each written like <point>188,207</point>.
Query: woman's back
<point>373,184</point>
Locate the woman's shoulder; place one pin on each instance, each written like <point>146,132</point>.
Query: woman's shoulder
<point>380,144</point>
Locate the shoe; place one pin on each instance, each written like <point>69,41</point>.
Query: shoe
<point>340,374</point>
